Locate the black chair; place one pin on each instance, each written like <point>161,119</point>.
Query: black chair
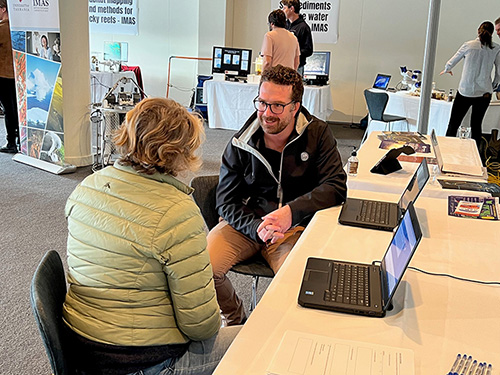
<point>376,101</point>
<point>48,290</point>
<point>204,195</point>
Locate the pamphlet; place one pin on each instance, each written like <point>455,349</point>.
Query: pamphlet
<point>391,140</point>
<point>485,208</point>
<point>493,189</point>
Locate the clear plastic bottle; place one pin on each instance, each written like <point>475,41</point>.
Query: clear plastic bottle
<point>352,164</point>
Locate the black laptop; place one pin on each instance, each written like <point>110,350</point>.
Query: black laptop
<point>356,288</point>
<point>381,81</point>
<point>384,215</point>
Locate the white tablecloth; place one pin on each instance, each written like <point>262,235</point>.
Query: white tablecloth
<point>230,104</point>
<point>436,317</point>
<point>403,104</point>
<point>101,82</point>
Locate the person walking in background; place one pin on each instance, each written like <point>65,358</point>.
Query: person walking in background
<point>8,83</point>
<point>497,26</point>
<point>141,297</point>
<point>475,89</point>
<point>280,46</point>
<point>298,26</point>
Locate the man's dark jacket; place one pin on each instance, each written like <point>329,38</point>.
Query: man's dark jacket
<point>302,31</point>
<point>311,176</point>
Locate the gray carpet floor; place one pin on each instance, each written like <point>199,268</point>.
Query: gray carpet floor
<point>32,222</point>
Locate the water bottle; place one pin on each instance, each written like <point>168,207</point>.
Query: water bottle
<point>352,164</point>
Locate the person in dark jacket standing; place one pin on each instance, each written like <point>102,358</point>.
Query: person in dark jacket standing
<point>276,172</point>
<point>298,26</point>
<point>8,83</point>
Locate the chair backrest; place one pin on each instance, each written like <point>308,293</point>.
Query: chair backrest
<point>376,103</point>
<point>48,290</point>
<point>205,188</point>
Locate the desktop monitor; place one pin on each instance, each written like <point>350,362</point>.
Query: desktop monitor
<point>317,68</point>
<point>233,62</point>
<point>116,51</point>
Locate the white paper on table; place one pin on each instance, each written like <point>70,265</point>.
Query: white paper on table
<point>309,354</point>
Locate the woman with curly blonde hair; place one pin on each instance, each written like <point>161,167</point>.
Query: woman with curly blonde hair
<point>141,297</point>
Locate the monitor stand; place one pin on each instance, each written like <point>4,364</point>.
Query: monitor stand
<point>234,78</point>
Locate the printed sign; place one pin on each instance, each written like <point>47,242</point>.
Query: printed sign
<point>322,16</point>
<point>113,16</point>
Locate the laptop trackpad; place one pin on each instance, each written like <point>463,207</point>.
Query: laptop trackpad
<point>316,276</point>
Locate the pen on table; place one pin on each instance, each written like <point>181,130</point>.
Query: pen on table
<point>454,367</point>
<point>460,364</point>
<point>479,369</point>
<point>488,372</point>
<point>472,368</point>
<point>484,368</point>
<point>467,364</point>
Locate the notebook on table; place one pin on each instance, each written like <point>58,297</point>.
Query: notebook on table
<point>362,289</point>
<point>381,81</point>
<point>384,215</point>
<point>473,169</point>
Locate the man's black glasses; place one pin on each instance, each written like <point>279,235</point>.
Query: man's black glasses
<point>276,108</point>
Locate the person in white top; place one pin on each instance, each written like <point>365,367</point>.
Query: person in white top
<point>480,56</point>
<point>280,46</point>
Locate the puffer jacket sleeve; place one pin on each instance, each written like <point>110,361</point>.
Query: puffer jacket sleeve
<point>186,264</point>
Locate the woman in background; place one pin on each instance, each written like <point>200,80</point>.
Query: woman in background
<point>141,297</point>
<point>475,89</point>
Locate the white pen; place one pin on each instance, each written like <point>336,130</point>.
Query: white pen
<point>472,368</point>
<point>467,364</point>
<point>460,365</point>
<point>479,369</point>
<point>488,372</point>
<point>454,367</point>
<point>484,368</point>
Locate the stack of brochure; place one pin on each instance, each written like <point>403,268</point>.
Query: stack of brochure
<point>485,208</point>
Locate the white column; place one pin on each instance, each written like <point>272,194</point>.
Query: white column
<point>76,81</point>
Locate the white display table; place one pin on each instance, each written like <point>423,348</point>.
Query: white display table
<point>401,103</point>
<point>230,104</point>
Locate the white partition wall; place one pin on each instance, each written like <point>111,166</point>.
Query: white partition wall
<point>377,37</point>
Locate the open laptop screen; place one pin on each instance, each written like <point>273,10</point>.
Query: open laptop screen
<point>398,255</point>
<point>417,183</point>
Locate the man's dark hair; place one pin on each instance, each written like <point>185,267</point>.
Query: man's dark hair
<point>292,3</point>
<point>278,18</point>
<point>284,76</point>
<point>497,21</point>
<point>3,3</point>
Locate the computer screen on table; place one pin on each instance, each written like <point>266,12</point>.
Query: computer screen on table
<point>318,64</point>
<point>232,61</point>
<point>116,51</point>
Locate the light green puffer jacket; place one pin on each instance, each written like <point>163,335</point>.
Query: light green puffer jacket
<point>139,272</point>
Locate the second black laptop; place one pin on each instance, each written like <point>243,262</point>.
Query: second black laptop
<point>384,215</point>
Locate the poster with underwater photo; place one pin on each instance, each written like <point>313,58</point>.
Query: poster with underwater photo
<point>41,77</point>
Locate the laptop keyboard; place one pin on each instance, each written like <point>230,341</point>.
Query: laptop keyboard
<point>350,284</point>
<point>375,212</point>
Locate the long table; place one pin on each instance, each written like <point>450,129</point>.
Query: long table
<point>401,103</point>
<point>436,317</point>
<point>230,104</point>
